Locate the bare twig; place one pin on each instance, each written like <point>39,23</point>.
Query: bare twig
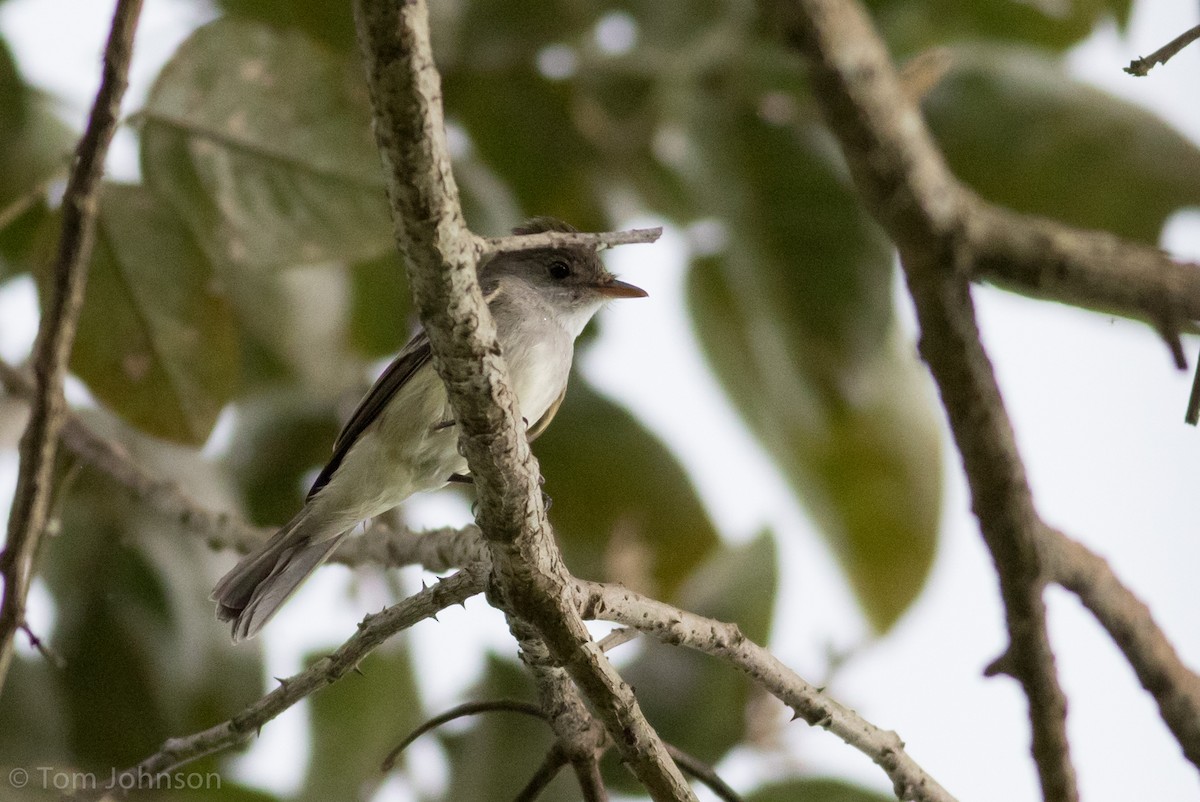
<point>678,627</point>
<point>563,239</point>
<point>695,767</point>
<point>549,768</point>
<point>461,711</point>
<point>54,658</point>
<point>1141,66</point>
<point>56,334</point>
<point>1174,687</point>
<point>372,631</point>
<point>905,183</point>
<point>528,577</point>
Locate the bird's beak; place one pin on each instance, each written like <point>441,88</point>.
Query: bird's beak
<point>619,289</point>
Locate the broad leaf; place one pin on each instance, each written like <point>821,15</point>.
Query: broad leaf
<point>261,139</point>
<point>913,25</point>
<point>356,722</point>
<point>795,319</point>
<point>156,340</point>
<point>622,507</point>
<point>1015,127</point>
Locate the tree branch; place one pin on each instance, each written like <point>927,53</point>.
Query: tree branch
<point>564,239</point>
<point>677,627</point>
<point>1175,687</point>
<point>1140,67</point>
<point>372,631</point>
<point>527,570</point>
<point>56,334</point>
<point>905,183</point>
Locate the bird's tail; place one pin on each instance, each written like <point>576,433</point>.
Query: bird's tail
<point>254,590</point>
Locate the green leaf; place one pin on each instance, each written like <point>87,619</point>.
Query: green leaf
<point>380,306</point>
<point>261,140</point>
<point>156,339</point>
<point>34,147</point>
<point>356,722</point>
<point>1016,128</point>
<point>816,790</point>
<point>622,507</point>
<point>279,437</point>
<point>795,318</point>
<point>678,687</point>
<point>522,127</point>
<point>330,22</point>
<point>913,25</point>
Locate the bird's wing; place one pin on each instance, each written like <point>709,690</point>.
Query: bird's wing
<point>406,363</point>
<point>547,416</point>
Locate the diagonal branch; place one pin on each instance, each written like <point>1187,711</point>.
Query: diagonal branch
<point>677,627</point>
<point>1175,687</point>
<point>528,576</point>
<point>373,631</point>
<point>905,183</point>
<point>56,334</point>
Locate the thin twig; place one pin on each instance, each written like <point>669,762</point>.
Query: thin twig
<point>704,773</point>
<point>677,627</point>
<point>591,783</point>
<point>54,658</point>
<point>372,631</point>
<point>1141,66</point>
<point>549,768</point>
<point>1174,687</point>
<point>461,711</point>
<point>56,334</point>
<point>563,239</point>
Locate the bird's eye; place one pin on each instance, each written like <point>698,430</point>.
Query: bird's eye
<point>559,269</point>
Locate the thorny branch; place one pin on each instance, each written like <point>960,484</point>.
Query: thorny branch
<point>56,334</point>
<point>528,577</point>
<point>372,631</point>
<point>677,627</point>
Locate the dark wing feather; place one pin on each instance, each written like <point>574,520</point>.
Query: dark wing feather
<point>409,360</point>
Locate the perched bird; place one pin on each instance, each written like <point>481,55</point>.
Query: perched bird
<point>402,438</point>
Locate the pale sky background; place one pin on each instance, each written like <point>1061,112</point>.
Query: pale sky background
<point>1095,401</point>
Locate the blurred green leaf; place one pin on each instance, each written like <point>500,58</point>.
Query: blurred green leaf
<point>261,140</point>
<point>868,466</point>
<point>381,319</point>
<point>356,722</point>
<point>34,147</point>
<point>330,22</point>
<point>1015,127</point>
<point>816,790</point>
<point>623,508</point>
<point>795,317</point>
<point>156,337</point>
<point>678,687</point>
<point>913,25</point>
<point>279,438</point>
<point>498,755</point>
<point>535,146</point>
